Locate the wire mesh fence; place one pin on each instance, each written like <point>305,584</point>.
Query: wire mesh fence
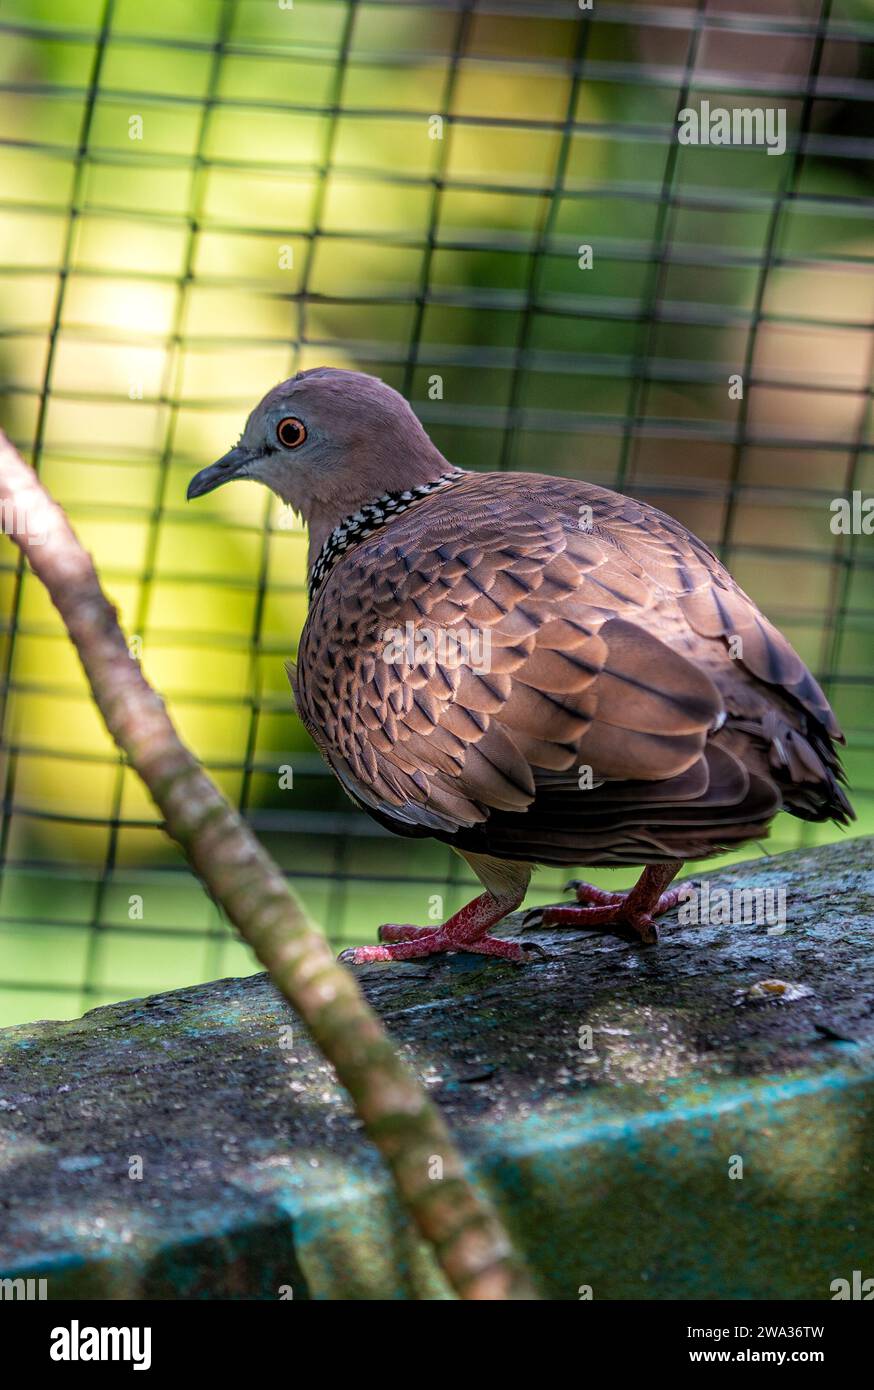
<point>486,204</point>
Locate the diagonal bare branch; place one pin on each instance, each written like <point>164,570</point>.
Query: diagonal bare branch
<point>469,1240</point>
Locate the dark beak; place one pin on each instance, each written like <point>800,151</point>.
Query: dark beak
<point>233,465</point>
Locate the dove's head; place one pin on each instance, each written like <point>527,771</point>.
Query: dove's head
<point>326,442</point>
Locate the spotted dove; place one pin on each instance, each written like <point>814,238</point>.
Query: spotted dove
<point>534,670</point>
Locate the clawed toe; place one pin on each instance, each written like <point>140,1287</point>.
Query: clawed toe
<point>400,950</point>
<point>645,928</point>
<point>588,893</point>
<point>628,915</point>
<point>532,948</point>
<point>612,918</point>
<point>431,943</point>
<point>518,952</point>
<point>391,931</point>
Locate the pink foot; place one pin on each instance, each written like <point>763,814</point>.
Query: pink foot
<point>588,894</point>
<point>618,913</point>
<point>433,943</point>
<point>614,918</point>
<point>467,930</point>
<point>389,931</point>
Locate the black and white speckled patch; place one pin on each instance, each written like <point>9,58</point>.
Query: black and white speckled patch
<point>368,519</point>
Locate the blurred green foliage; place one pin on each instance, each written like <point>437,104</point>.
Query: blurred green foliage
<point>285,206</point>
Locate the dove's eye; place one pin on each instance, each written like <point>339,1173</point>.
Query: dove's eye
<point>290,432</point>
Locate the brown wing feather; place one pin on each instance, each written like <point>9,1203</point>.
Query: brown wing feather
<point>607,648</point>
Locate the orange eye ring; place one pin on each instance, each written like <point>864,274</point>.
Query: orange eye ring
<point>291,432</point>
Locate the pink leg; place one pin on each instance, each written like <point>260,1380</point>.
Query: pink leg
<point>588,893</point>
<point>389,931</point>
<point>467,930</point>
<point>620,912</point>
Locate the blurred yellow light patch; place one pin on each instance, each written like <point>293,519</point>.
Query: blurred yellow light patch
<point>134,425</point>
<point>368,205</point>
<point>501,156</point>
<point>265,136</point>
<point>128,305</point>
<point>251,197</point>
<point>128,371</point>
<point>27,239</point>
<point>149,246</point>
<point>242,371</point>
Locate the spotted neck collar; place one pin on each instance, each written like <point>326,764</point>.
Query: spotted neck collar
<point>369,518</point>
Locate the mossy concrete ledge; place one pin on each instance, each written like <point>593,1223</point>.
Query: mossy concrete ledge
<point>711,1137</point>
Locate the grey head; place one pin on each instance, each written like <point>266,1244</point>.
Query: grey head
<point>327,441</point>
